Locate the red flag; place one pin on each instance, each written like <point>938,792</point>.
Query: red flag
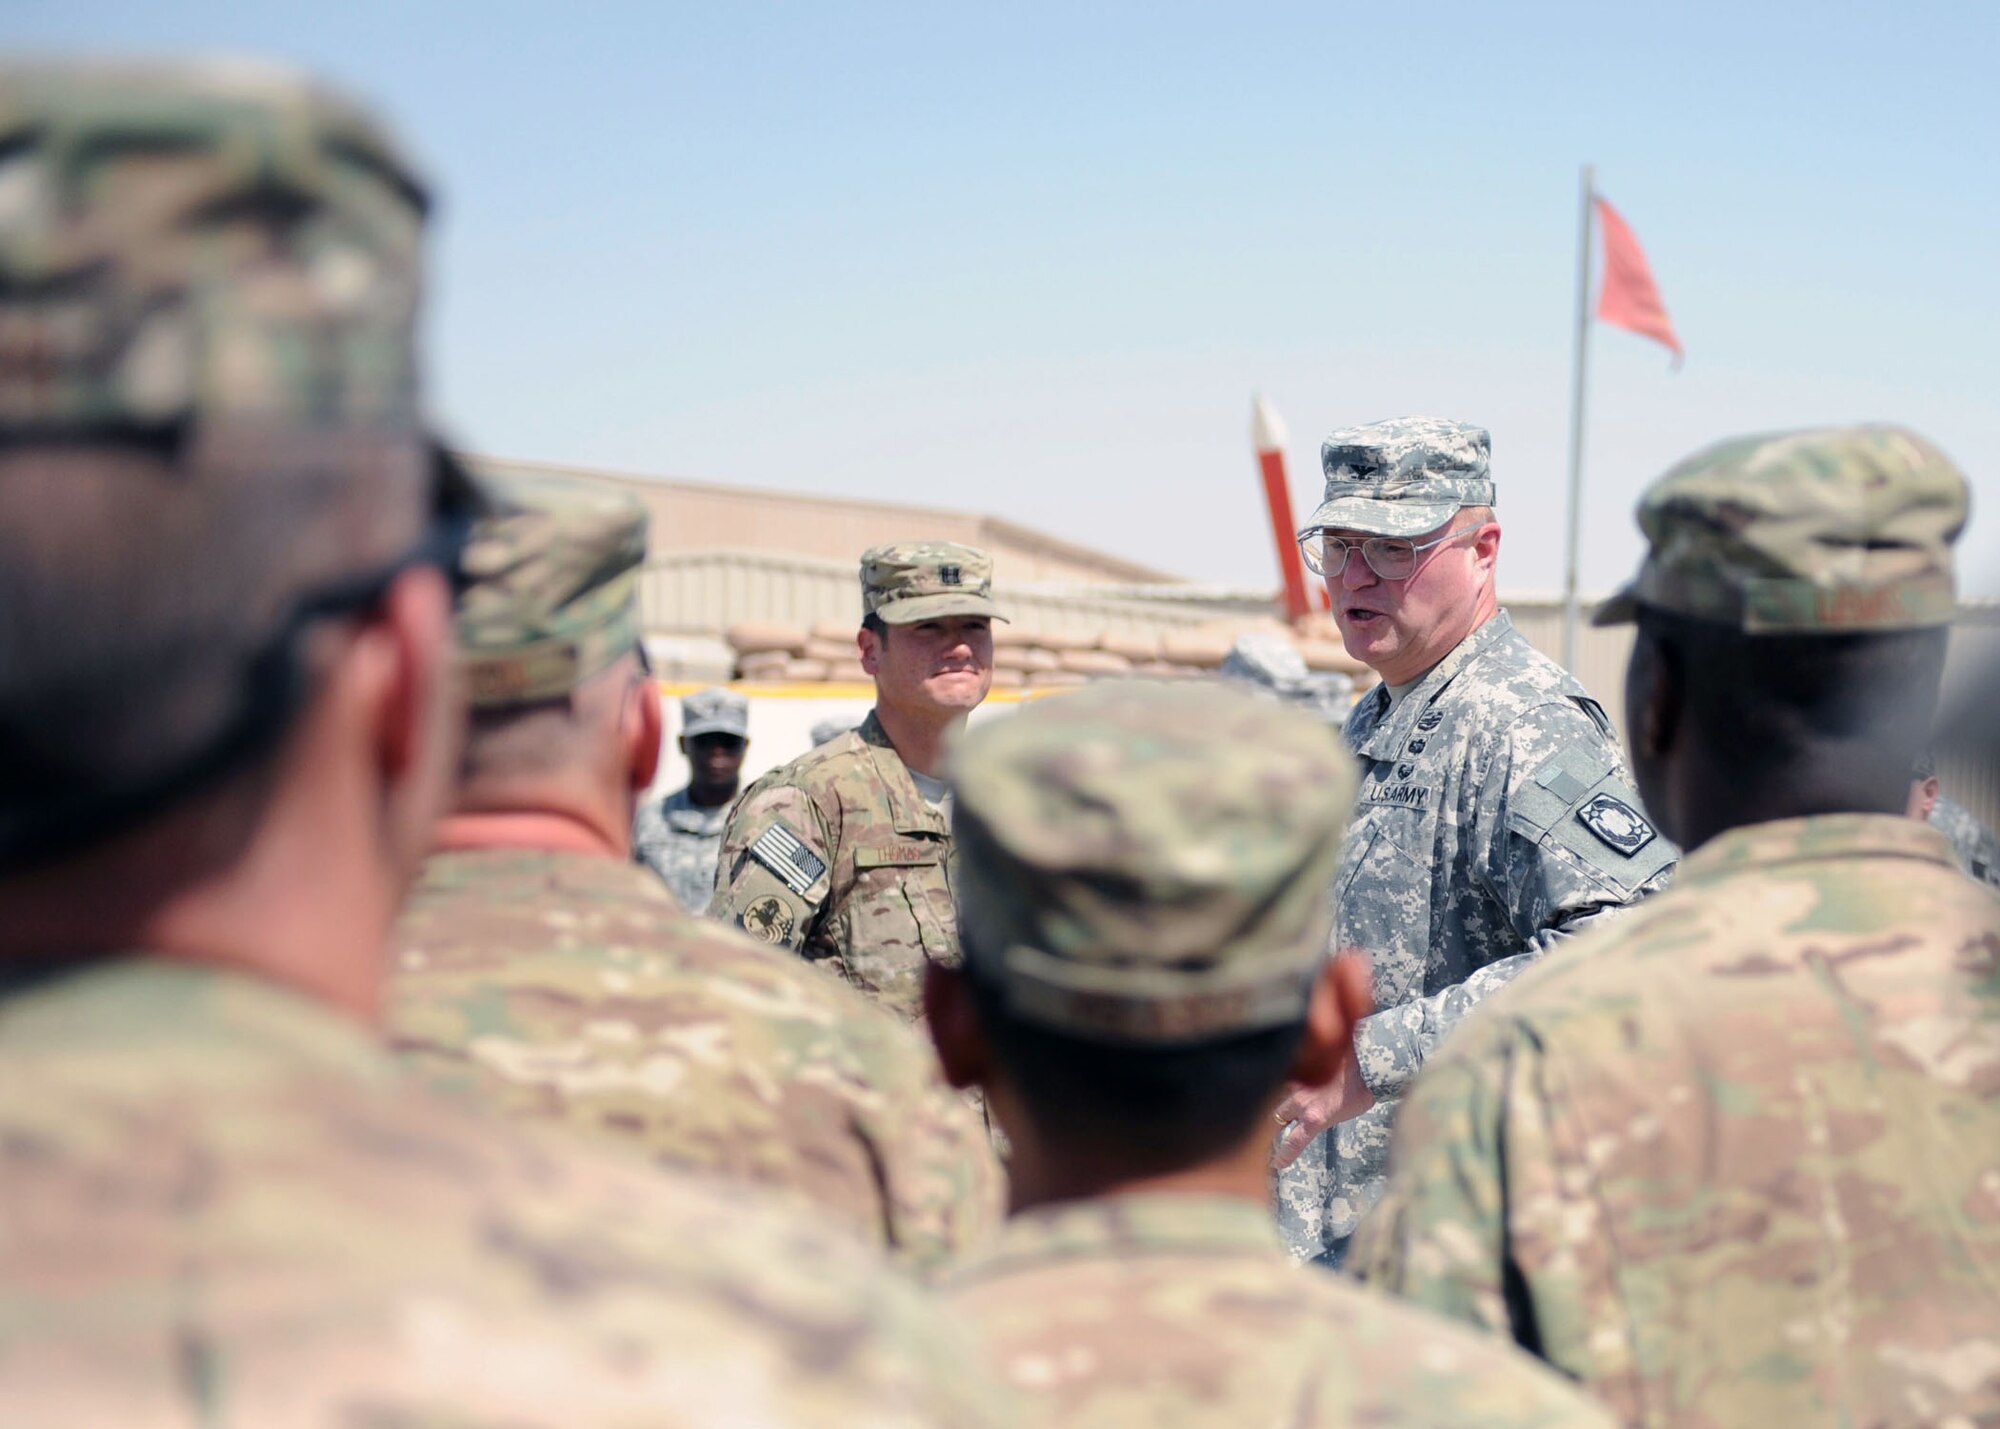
<point>1630,298</point>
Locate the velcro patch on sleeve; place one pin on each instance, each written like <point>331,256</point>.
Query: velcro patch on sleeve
<point>785,854</point>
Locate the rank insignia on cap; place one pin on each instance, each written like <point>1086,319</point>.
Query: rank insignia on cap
<point>950,575</point>
<point>785,854</point>
<point>1616,823</point>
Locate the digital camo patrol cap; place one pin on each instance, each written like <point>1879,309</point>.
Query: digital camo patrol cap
<point>923,580</point>
<point>715,711</point>
<point>551,593</point>
<point>1402,477</point>
<point>1148,863</point>
<point>1801,533</point>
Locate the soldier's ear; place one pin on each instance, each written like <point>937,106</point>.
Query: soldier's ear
<point>1342,994</point>
<point>1655,694</point>
<point>870,646</point>
<point>645,731</point>
<point>953,1020</point>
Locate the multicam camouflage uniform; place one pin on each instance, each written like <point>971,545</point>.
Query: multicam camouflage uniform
<point>1144,866</point>
<point>228,1207</point>
<point>225,1205</point>
<point>677,838</point>
<point>1735,1159</point>
<point>1972,843</point>
<point>1495,818</point>
<point>838,855</point>
<point>567,986</point>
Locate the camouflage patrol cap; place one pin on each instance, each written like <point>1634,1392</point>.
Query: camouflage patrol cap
<point>1402,477</point>
<point>219,242</point>
<point>715,711</point>
<point>551,592</point>
<point>1835,529</point>
<point>1148,863</point>
<point>910,581</point>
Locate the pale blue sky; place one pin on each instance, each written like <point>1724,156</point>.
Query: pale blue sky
<point>1035,260</point>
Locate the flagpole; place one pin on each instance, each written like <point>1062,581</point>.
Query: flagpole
<point>1570,597</point>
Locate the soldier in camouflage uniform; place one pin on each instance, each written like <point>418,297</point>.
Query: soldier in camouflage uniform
<point>230,723</point>
<point>844,855</point>
<point>1972,843</point>
<point>679,837</point>
<point>1142,878</point>
<point>1271,663</point>
<point>1495,817</point>
<point>544,973</point>
<point>1735,1159</point>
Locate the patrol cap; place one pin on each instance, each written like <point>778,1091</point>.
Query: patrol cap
<point>1147,863</point>
<point>910,581</point>
<point>212,241</point>
<point>551,587</point>
<point>828,730</point>
<point>1267,660</point>
<point>1800,533</point>
<point>715,711</point>
<point>1402,477</point>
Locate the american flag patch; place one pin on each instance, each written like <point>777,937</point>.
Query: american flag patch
<point>779,850</point>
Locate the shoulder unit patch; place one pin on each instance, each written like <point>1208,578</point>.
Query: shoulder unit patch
<point>785,854</point>
<point>1616,823</point>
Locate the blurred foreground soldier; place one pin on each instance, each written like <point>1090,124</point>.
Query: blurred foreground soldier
<point>844,855</point>
<point>680,836</point>
<point>1972,843</point>
<point>1494,818</point>
<point>1735,1159</point>
<point>229,724</point>
<point>1265,661</point>
<point>1142,875</point>
<point>543,972</point>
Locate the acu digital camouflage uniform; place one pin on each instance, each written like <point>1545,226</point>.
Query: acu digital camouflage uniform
<point>225,1205</point>
<point>837,855</point>
<point>1736,1158</point>
<point>567,986</point>
<point>1972,843</point>
<point>1271,663</point>
<point>1144,866</point>
<point>1495,818</point>
<point>677,838</point>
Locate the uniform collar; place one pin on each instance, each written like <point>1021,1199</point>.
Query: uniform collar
<point>681,812</point>
<point>1117,1227</point>
<point>1806,840</point>
<point>1387,739</point>
<point>909,811</point>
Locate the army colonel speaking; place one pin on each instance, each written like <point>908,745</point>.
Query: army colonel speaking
<point>1494,814</point>
<point>844,854</point>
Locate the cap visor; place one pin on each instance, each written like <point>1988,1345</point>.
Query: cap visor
<point>934,607</point>
<point>1374,517</point>
<point>694,729</point>
<point>1621,609</point>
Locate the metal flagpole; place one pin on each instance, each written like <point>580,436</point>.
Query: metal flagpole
<point>1570,598</point>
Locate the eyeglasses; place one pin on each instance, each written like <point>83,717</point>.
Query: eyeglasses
<point>1390,557</point>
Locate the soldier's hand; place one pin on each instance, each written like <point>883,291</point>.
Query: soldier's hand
<point>1311,1110</point>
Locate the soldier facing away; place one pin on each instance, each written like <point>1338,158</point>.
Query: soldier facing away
<point>1494,818</point>
<point>1142,876</point>
<point>844,855</point>
<point>680,837</point>
<point>230,723</point>
<point>543,972</point>
<point>1735,1159</point>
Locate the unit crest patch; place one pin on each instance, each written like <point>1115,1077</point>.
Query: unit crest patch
<point>1616,823</point>
<point>768,920</point>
